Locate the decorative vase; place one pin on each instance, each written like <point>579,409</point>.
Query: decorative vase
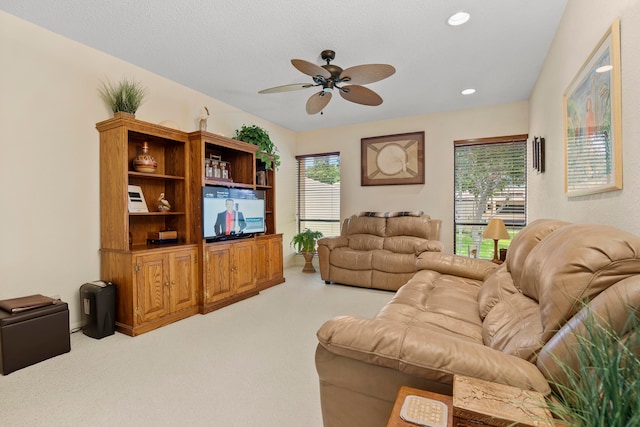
<point>308,266</point>
<point>144,162</point>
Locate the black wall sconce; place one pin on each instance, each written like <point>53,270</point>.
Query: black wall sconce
<point>538,154</point>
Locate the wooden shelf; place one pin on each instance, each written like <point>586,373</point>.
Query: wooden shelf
<point>154,176</point>
<point>229,184</point>
<point>169,213</point>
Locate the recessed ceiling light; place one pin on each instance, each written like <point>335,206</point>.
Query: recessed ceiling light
<point>458,19</point>
<point>604,68</point>
<point>468,91</point>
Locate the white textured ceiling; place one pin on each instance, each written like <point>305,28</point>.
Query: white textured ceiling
<point>231,49</point>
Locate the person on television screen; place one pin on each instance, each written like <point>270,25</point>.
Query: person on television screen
<point>230,221</point>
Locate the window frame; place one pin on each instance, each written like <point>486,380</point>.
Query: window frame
<point>299,194</point>
<point>512,225</point>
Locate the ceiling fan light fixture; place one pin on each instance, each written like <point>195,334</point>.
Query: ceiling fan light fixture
<point>469,91</point>
<point>330,77</point>
<point>458,19</point>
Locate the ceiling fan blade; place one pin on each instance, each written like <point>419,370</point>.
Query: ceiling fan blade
<point>317,102</point>
<point>369,73</point>
<point>310,69</point>
<point>360,95</point>
<point>286,88</point>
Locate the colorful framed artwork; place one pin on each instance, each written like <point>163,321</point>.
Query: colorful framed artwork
<point>592,121</point>
<point>392,159</point>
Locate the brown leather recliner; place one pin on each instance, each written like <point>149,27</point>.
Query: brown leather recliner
<point>507,324</point>
<point>378,250</point>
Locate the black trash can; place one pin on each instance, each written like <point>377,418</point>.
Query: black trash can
<point>98,304</point>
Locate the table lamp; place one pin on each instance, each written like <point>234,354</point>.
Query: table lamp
<point>496,230</point>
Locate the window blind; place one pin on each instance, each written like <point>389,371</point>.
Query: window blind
<point>318,198</point>
<point>490,182</point>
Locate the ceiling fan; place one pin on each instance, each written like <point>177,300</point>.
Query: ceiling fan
<point>332,77</point>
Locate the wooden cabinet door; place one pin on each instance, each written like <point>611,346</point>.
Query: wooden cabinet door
<point>243,267</point>
<point>261,258</point>
<point>217,277</point>
<point>152,286</point>
<point>183,279</point>
<point>274,260</point>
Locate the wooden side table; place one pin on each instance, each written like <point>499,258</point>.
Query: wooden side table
<point>396,421</point>
<point>483,403</point>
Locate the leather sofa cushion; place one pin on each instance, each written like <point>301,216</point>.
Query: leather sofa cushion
<point>409,226</point>
<point>366,225</point>
<point>403,245</point>
<point>437,302</point>
<point>513,327</point>
<point>351,259</point>
<point>576,263</point>
<point>524,242</point>
<point>365,242</point>
<point>496,287</point>
<point>392,262</point>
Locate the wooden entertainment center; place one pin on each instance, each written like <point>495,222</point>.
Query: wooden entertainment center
<point>161,283</point>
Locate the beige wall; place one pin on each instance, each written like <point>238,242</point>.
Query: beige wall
<point>49,162</point>
<point>583,25</point>
<point>435,197</point>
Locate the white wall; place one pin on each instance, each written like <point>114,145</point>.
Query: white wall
<point>435,197</point>
<point>49,161</point>
<point>581,28</point>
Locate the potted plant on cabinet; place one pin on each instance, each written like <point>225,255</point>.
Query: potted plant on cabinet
<point>123,98</point>
<point>603,388</point>
<point>267,150</point>
<point>305,243</point>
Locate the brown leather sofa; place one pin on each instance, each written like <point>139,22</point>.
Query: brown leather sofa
<point>378,249</point>
<point>457,315</point>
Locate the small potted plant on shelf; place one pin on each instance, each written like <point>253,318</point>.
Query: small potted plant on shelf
<point>305,243</point>
<point>267,150</point>
<point>124,97</point>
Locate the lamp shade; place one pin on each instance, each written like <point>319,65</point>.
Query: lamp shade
<point>496,230</point>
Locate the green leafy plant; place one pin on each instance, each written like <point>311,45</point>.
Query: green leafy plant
<point>267,150</point>
<point>305,241</point>
<point>604,390</point>
<point>126,96</point>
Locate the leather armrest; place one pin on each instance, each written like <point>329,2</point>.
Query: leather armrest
<point>456,265</point>
<point>430,246</point>
<point>333,242</point>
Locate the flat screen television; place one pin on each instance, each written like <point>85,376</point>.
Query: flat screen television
<point>232,213</point>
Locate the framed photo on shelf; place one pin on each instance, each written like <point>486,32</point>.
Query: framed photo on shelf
<point>392,159</point>
<point>137,203</point>
<point>593,122</point>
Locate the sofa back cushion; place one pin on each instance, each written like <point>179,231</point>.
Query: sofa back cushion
<point>366,225</point>
<point>495,288</point>
<point>410,226</point>
<point>365,242</point>
<point>524,242</point>
<point>572,265</point>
